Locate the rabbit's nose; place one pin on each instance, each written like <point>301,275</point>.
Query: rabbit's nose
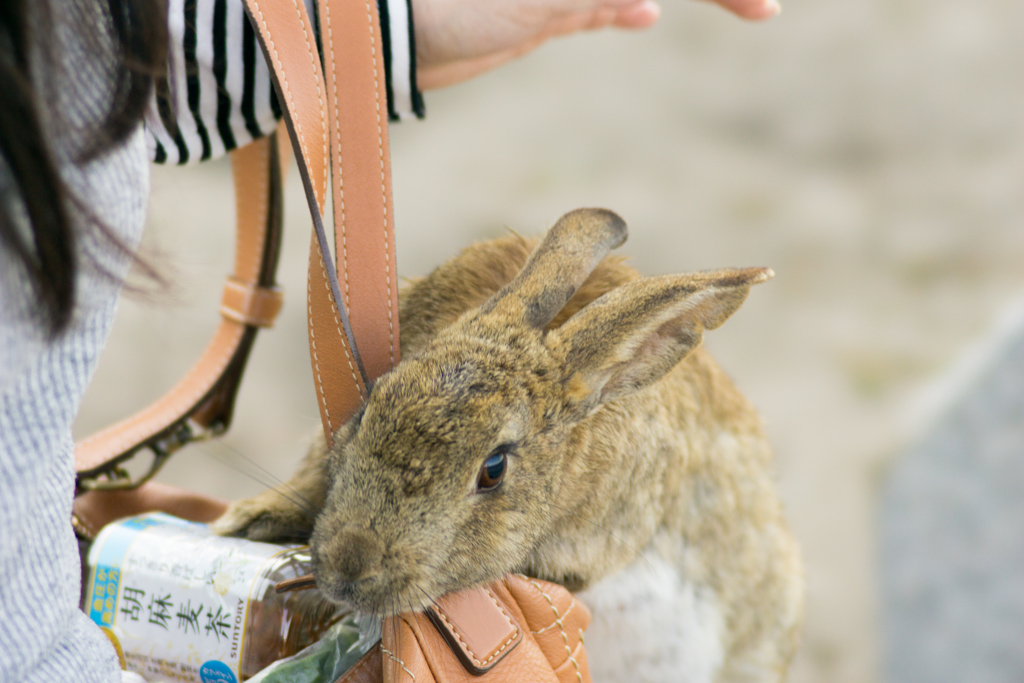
<point>354,555</point>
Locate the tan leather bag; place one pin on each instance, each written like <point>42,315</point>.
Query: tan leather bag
<point>516,629</point>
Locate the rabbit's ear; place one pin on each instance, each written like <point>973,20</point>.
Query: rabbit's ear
<point>557,267</point>
<point>633,335</point>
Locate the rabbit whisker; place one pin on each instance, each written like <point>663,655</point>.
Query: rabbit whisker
<point>259,474</point>
<point>431,600</point>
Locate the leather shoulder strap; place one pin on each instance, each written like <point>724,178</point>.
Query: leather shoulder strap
<point>336,121</point>
<point>364,247</point>
<point>202,402</point>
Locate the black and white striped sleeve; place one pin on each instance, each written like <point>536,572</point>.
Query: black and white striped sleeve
<point>218,94</point>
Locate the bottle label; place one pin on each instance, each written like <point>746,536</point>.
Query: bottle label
<point>174,597</point>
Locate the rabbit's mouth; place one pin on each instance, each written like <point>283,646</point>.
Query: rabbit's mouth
<point>353,566</point>
<point>376,595</point>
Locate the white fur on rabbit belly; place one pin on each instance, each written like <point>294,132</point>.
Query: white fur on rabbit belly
<point>650,626</point>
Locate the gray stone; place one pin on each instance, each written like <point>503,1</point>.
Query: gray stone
<point>952,538</point>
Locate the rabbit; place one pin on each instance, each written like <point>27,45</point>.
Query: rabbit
<point>554,415</point>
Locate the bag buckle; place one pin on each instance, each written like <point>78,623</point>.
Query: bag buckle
<point>115,477</point>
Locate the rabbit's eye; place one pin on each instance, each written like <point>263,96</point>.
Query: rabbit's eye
<point>493,471</point>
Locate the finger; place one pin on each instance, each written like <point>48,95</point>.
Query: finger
<point>751,9</point>
<point>640,15</point>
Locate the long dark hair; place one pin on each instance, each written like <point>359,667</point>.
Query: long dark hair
<point>47,253</point>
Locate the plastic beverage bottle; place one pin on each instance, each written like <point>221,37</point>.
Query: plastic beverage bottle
<point>181,604</point>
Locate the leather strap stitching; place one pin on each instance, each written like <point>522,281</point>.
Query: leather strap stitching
<point>257,255</point>
<point>337,325</point>
<point>558,620</point>
<point>314,55</point>
<point>338,167</point>
<point>348,341</point>
<point>284,82</point>
<point>392,656</point>
<point>312,344</point>
<point>383,180</point>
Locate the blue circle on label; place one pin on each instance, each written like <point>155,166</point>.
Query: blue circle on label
<point>214,671</point>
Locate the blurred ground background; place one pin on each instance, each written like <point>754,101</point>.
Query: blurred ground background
<point>872,153</point>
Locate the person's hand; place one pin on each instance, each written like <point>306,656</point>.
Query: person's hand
<point>459,39</point>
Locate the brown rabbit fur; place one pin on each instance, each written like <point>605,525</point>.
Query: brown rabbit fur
<point>620,440</point>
